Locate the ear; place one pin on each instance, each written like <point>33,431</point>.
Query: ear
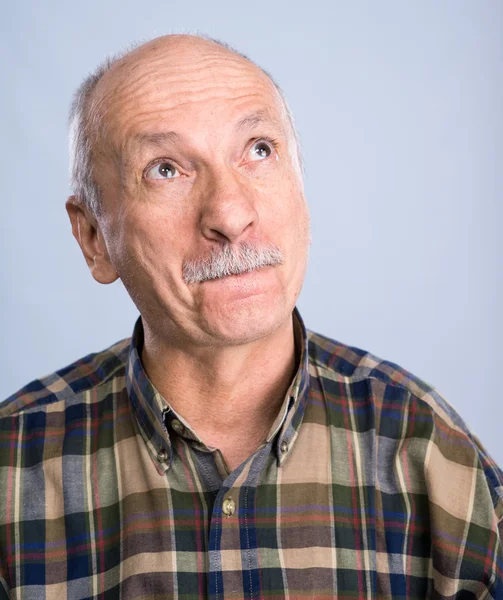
<point>86,231</point>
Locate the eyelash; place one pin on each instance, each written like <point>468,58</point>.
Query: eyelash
<point>158,161</point>
<point>274,143</point>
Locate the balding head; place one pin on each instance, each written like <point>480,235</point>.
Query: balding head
<point>94,99</point>
<point>192,178</point>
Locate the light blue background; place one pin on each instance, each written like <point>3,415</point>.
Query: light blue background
<point>399,108</point>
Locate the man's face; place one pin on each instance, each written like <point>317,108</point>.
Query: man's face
<point>199,156</point>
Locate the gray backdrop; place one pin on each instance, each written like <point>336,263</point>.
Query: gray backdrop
<point>399,109</point>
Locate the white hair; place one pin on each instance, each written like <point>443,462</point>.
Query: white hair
<point>228,260</point>
<point>84,126</point>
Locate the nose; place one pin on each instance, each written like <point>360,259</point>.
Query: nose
<point>228,211</point>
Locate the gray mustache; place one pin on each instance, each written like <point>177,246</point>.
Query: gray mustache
<point>231,260</point>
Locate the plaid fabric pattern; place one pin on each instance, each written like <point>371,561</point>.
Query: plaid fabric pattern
<point>368,486</point>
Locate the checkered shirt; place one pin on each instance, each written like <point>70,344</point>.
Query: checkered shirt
<point>369,485</point>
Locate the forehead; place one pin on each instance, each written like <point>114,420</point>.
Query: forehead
<point>194,82</point>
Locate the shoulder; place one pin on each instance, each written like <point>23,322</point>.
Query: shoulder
<point>397,395</point>
<point>335,360</point>
<point>69,383</point>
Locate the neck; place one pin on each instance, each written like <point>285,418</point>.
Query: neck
<point>229,396</point>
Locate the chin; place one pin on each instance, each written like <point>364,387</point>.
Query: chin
<point>244,323</point>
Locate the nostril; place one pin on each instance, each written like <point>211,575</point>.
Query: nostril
<point>219,236</point>
<point>224,223</point>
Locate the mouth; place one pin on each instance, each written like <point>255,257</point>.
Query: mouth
<point>241,275</point>
<point>247,285</point>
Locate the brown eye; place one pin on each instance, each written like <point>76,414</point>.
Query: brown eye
<point>260,150</point>
<point>163,170</point>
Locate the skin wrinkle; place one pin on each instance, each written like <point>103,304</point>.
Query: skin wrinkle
<point>227,342</point>
<point>130,87</point>
<point>191,101</point>
<point>123,154</point>
<point>141,142</point>
<point>163,138</point>
<point>84,138</point>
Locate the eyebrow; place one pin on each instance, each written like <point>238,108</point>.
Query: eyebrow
<point>259,117</point>
<point>157,138</point>
<point>161,138</point>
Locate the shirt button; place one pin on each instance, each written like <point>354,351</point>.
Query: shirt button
<point>228,507</point>
<point>162,455</point>
<point>177,426</point>
<point>284,447</point>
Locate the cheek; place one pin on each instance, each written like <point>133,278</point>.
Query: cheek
<point>275,191</point>
<point>284,207</point>
<point>146,246</point>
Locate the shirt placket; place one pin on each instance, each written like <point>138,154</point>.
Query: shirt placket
<point>233,549</point>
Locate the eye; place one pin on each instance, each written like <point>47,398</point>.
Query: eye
<point>163,170</point>
<point>261,149</point>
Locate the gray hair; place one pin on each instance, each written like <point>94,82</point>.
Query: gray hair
<point>227,260</point>
<point>83,123</point>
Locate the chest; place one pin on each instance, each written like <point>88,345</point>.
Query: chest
<point>315,526</point>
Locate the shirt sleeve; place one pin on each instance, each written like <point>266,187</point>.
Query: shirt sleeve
<point>465,489</point>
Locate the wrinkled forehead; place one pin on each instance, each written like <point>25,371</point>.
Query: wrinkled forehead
<point>180,78</point>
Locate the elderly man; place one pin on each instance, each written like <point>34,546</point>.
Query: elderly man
<point>224,451</point>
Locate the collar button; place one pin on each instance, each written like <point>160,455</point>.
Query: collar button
<point>177,426</point>
<point>162,455</point>
<point>284,447</point>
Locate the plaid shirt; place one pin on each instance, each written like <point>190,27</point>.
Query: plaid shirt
<point>369,485</point>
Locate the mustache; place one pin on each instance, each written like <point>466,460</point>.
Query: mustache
<point>231,260</point>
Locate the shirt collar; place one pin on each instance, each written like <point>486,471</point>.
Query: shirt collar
<point>286,426</point>
<point>148,405</point>
<point>150,408</point>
